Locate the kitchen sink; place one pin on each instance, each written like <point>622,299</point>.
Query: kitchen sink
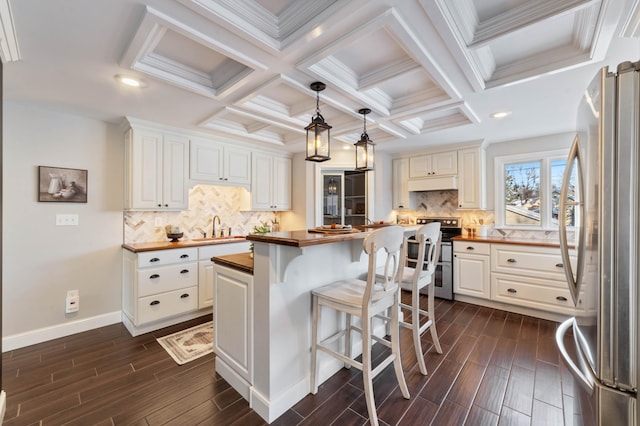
<point>233,237</point>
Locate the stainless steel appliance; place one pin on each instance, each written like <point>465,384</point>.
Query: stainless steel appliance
<point>600,343</point>
<point>443,276</point>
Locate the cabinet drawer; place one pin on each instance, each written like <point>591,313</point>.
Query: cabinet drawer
<point>542,262</point>
<point>535,293</point>
<point>167,278</point>
<point>165,257</point>
<point>471,247</point>
<point>161,306</point>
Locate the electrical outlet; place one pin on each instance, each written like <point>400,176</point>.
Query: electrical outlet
<point>158,222</point>
<point>72,302</point>
<point>67,220</point>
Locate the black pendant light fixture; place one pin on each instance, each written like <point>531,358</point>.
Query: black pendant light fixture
<point>318,131</point>
<point>365,148</point>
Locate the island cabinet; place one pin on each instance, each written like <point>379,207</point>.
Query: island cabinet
<point>270,182</point>
<point>437,164</point>
<point>205,268</point>
<point>219,164</point>
<point>532,277</point>
<point>471,269</point>
<point>233,327</point>
<point>156,170</point>
<point>159,287</point>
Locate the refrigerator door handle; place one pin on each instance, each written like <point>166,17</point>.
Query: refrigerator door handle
<point>572,280</point>
<point>588,383</point>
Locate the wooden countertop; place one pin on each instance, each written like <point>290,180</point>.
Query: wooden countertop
<point>241,261</point>
<point>507,240</point>
<point>163,245</point>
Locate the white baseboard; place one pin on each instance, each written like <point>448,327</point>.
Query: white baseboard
<point>40,335</point>
<point>3,405</point>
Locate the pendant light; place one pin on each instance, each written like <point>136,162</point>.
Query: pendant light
<point>332,188</point>
<point>365,148</point>
<point>318,131</point>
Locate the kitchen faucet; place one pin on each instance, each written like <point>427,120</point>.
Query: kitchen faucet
<point>368,221</point>
<point>213,225</point>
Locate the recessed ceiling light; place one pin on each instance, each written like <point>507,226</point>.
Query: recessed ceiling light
<point>500,114</point>
<point>130,81</point>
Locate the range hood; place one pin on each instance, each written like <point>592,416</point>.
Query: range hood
<point>433,184</point>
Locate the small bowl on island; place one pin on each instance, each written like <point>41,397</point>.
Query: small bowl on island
<point>175,237</point>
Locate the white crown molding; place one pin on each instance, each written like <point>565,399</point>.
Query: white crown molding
<point>631,26</point>
<point>9,49</point>
<point>390,70</point>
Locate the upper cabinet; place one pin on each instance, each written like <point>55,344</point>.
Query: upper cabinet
<point>271,182</point>
<point>471,178</point>
<point>156,167</point>
<point>401,195</point>
<point>219,164</point>
<point>438,164</point>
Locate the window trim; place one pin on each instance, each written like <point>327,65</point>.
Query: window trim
<point>545,158</point>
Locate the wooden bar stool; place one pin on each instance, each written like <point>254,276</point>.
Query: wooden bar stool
<point>365,299</point>
<point>416,277</point>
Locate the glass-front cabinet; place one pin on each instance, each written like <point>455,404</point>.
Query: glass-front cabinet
<point>344,197</point>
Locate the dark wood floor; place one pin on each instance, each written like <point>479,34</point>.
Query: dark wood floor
<point>497,368</point>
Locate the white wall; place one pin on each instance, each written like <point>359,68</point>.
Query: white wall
<point>42,261</point>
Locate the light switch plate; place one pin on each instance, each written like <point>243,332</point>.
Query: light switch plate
<point>67,220</point>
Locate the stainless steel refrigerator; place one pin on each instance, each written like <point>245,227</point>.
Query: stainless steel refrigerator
<point>599,345</point>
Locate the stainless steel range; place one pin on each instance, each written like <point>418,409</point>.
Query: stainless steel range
<point>443,277</point>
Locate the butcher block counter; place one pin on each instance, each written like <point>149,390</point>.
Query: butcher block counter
<point>240,261</point>
<point>164,245</point>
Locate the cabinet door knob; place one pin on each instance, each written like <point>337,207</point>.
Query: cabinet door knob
<point>184,296</point>
<point>155,276</point>
<point>559,265</point>
<point>512,290</point>
<point>155,259</point>
<point>155,302</point>
<point>159,205</point>
<point>166,205</point>
<point>184,271</point>
<point>561,298</point>
<point>184,256</point>
<point>471,248</point>
<point>511,260</point>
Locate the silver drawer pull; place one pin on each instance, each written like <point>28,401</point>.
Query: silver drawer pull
<point>184,271</point>
<point>154,276</point>
<point>470,248</point>
<point>559,265</point>
<point>511,260</point>
<point>155,302</point>
<point>512,290</point>
<point>155,259</point>
<point>184,296</point>
<point>184,256</point>
<point>561,298</point>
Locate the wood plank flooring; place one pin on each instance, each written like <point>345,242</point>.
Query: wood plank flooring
<point>497,368</point>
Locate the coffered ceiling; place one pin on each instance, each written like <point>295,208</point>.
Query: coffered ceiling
<point>432,71</point>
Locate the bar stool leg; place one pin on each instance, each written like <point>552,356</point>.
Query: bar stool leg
<point>314,338</point>
<point>366,371</point>
<point>347,339</point>
<point>432,328</point>
<point>415,329</point>
<point>395,348</point>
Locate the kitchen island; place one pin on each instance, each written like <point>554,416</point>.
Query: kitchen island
<point>271,359</point>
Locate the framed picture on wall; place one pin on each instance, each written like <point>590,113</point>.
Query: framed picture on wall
<point>62,185</point>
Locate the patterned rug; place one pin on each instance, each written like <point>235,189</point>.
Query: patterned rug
<point>189,344</point>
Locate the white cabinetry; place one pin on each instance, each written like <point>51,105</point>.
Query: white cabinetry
<point>158,288</point>
<point>219,164</point>
<point>233,327</point>
<point>471,269</point>
<point>471,178</point>
<point>401,194</point>
<point>270,182</point>
<point>205,268</point>
<point>530,276</point>
<point>438,164</point>
<point>156,165</point>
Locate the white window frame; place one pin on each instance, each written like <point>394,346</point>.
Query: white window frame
<point>545,158</point>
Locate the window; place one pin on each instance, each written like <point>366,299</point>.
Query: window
<point>528,191</point>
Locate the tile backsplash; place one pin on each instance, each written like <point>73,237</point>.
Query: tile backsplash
<point>205,201</point>
<point>445,203</point>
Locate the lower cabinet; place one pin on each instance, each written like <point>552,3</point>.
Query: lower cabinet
<point>205,268</point>
<point>233,325</point>
<point>471,269</point>
<point>159,288</point>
